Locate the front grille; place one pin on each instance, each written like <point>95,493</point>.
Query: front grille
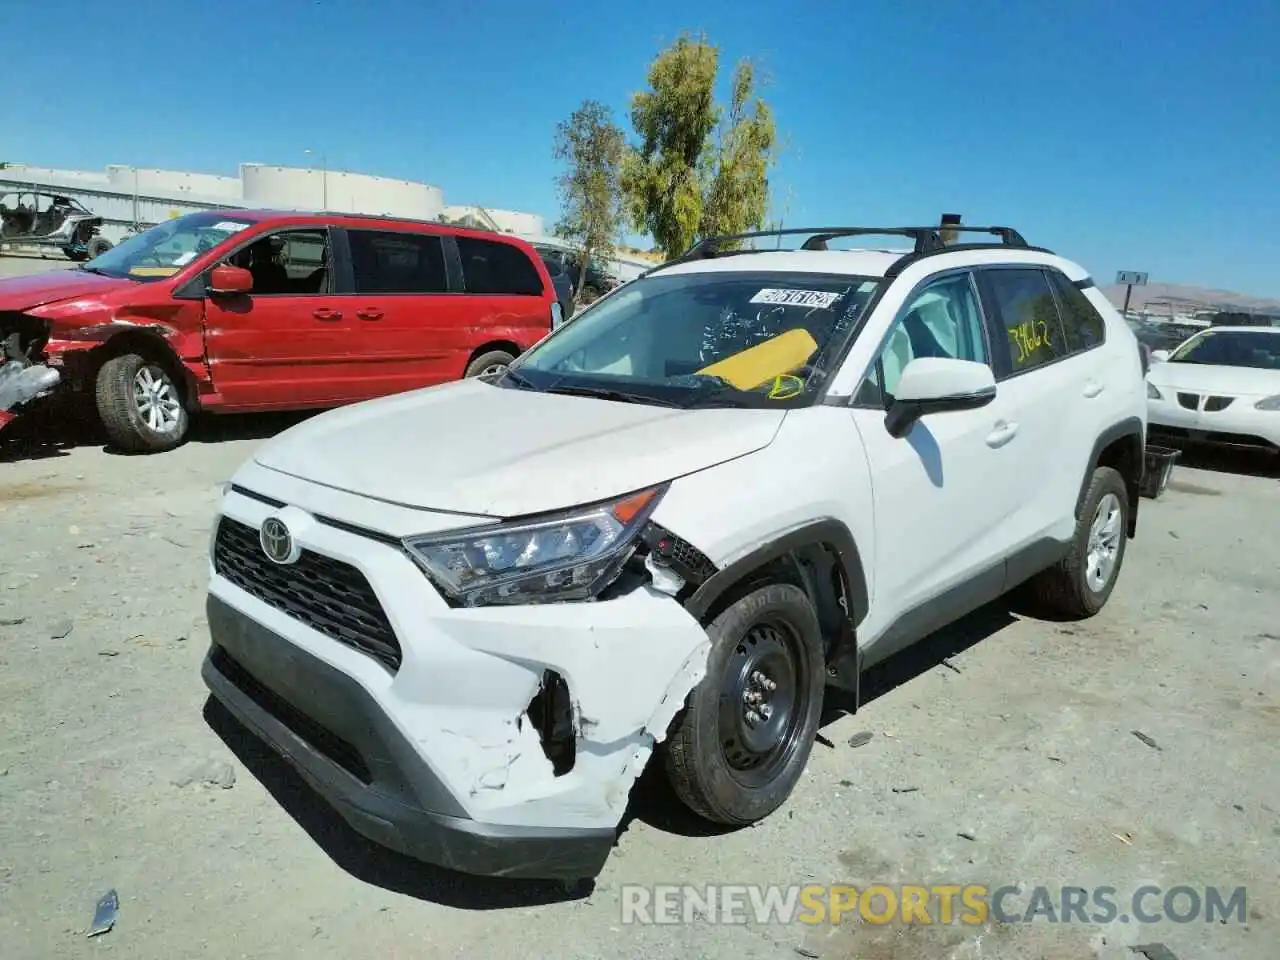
<point>327,595</point>
<point>1189,400</point>
<point>1214,404</point>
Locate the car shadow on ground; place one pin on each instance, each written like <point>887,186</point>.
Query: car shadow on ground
<point>364,859</point>
<point>654,803</point>
<point>51,433</point>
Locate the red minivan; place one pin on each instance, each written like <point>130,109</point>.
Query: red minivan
<point>235,310</point>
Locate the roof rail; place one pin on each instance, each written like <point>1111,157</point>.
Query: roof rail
<point>926,241</point>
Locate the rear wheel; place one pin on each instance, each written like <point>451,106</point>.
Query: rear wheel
<point>490,363</point>
<point>1079,585</point>
<point>98,246</point>
<point>746,733</point>
<point>140,404</point>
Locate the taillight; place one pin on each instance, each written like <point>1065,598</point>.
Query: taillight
<point>557,314</point>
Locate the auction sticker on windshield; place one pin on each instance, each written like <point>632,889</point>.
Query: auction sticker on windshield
<point>229,226</point>
<point>796,298</point>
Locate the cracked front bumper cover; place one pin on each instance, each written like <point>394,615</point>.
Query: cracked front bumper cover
<point>351,754</point>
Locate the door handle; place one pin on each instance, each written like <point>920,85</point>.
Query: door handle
<point>324,313</point>
<point>369,314</point>
<point>1092,388</point>
<point>1002,434</point>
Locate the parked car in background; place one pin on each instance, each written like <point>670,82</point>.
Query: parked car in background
<point>598,281</point>
<point>39,219</point>
<point>559,278</point>
<point>230,311</point>
<point>1220,387</point>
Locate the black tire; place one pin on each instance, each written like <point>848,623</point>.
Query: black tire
<point>1067,588</point>
<point>98,246</point>
<point>74,256</point>
<point>124,418</point>
<point>488,362</point>
<point>707,758</point>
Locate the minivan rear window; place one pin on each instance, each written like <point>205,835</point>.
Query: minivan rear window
<point>493,267</point>
<point>387,262</point>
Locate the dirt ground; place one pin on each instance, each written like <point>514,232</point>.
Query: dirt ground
<point>1017,764</point>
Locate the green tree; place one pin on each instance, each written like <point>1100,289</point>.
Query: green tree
<point>592,147</point>
<point>697,170</point>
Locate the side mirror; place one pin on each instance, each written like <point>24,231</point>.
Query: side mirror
<point>938,385</point>
<point>228,281</point>
<point>1159,356</point>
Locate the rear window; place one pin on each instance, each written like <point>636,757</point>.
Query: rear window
<point>493,267</point>
<point>385,262</point>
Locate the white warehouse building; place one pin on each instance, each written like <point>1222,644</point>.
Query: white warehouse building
<point>128,198</point>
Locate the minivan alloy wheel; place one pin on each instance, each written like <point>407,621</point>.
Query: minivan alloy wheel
<point>1104,542</point>
<point>157,399</point>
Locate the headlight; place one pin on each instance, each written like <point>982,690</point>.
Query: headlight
<point>1153,393</point>
<point>568,556</point>
<point>1268,403</point>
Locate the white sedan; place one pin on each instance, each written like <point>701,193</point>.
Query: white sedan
<point>1220,386</point>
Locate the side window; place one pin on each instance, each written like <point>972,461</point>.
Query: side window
<point>293,262</point>
<point>492,267</point>
<point>1082,325</point>
<point>1029,316</point>
<point>385,262</point>
<point>941,320</point>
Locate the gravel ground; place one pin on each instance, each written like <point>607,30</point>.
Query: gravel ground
<point>114,773</point>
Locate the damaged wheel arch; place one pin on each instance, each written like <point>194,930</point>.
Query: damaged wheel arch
<point>822,558</point>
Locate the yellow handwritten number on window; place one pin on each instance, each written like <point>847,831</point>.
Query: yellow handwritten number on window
<point>1029,337</point>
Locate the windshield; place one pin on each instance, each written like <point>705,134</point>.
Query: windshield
<point>729,338</point>
<point>167,247</point>
<point>1259,349</point>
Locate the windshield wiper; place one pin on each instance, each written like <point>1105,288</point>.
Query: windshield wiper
<point>88,269</point>
<point>523,383</point>
<point>605,393</point>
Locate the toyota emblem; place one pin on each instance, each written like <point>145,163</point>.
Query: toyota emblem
<point>277,542</point>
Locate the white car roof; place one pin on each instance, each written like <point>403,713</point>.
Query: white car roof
<point>868,263</point>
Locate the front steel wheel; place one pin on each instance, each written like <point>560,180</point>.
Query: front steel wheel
<point>746,732</point>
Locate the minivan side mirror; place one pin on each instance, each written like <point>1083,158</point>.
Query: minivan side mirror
<point>938,385</point>
<point>229,281</point>
<point>1159,356</point>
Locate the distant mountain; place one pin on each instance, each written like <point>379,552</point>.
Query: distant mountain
<point>1187,298</point>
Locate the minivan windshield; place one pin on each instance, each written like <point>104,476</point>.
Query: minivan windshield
<point>1259,349</point>
<point>718,338</point>
<point>167,247</point>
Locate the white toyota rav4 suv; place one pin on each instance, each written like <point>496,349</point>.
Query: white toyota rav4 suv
<point>469,614</point>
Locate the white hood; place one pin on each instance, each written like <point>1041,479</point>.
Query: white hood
<point>1214,379</point>
<point>470,447</point>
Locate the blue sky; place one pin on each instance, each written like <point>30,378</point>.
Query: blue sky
<point>1126,134</point>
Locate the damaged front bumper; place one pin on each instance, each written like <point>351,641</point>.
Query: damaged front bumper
<point>500,741</point>
<point>22,382</point>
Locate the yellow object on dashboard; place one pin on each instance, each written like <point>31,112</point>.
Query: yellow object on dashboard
<point>763,363</point>
<point>152,271</point>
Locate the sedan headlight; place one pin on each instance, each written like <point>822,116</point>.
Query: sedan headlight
<point>1153,393</point>
<point>567,556</point>
<point>1268,403</point>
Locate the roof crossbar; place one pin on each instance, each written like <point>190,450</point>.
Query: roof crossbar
<point>925,240</point>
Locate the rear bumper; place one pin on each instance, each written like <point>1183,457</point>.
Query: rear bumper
<point>335,735</point>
